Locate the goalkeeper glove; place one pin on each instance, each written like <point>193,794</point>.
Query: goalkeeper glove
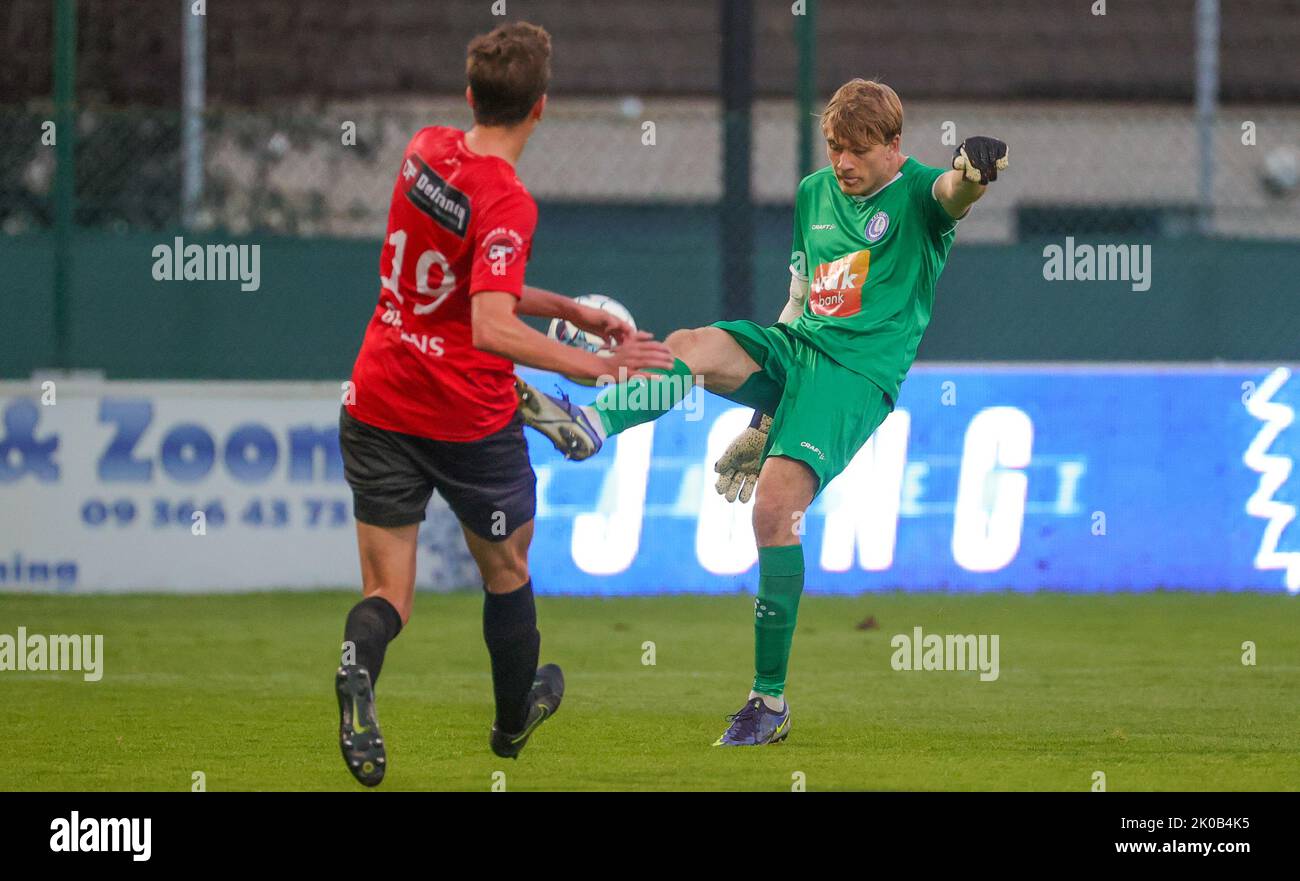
<point>738,467</point>
<point>980,159</point>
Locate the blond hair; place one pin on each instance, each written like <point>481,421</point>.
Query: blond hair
<point>863,112</point>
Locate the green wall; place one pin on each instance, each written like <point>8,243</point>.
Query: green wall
<point>1208,300</point>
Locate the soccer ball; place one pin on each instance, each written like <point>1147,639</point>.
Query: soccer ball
<point>563,332</point>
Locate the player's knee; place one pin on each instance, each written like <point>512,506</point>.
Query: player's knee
<point>683,343</point>
<point>399,596</point>
<point>507,573</point>
<point>774,521</point>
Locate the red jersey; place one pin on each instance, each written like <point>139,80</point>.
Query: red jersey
<point>460,223</point>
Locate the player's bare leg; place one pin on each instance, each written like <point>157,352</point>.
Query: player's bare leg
<point>388,588</point>
<point>388,564</point>
<point>525,695</point>
<point>714,356</point>
<point>503,564</point>
<point>785,490</point>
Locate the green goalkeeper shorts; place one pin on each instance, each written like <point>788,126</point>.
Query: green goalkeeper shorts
<point>822,412</point>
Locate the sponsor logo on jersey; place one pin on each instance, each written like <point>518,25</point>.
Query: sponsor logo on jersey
<point>876,226</point>
<point>836,287</point>
<point>426,189</point>
<point>428,345</point>
<point>501,248</point>
<point>816,226</point>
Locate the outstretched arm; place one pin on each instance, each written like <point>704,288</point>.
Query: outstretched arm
<point>545,304</point>
<point>975,165</point>
<point>542,303</point>
<point>497,329</point>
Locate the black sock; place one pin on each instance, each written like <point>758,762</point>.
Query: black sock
<point>372,624</point>
<point>510,631</point>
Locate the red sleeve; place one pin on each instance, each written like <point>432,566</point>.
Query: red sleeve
<point>503,241</point>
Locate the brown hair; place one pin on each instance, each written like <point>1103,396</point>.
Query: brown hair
<point>508,71</point>
<point>863,112</point>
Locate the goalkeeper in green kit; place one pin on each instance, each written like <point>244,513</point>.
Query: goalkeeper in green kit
<point>871,234</point>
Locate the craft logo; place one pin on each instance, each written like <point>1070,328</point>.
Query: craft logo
<point>810,447</point>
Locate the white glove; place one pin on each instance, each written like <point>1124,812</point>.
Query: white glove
<point>738,467</point>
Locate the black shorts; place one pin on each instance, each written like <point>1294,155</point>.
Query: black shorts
<point>488,483</point>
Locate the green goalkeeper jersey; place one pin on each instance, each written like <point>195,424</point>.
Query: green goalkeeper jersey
<point>872,263</point>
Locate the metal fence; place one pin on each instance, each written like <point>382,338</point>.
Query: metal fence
<point>328,170</point>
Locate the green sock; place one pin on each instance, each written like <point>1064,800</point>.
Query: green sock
<point>776,609</point>
<point>628,404</point>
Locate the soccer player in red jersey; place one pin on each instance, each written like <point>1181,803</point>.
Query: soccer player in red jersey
<point>433,403</point>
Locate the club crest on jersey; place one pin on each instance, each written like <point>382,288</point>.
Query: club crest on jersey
<point>501,248</point>
<point>876,226</point>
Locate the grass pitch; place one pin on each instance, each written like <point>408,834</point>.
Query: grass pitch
<point>1148,688</point>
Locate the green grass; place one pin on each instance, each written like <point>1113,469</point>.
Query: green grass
<point>1148,688</point>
